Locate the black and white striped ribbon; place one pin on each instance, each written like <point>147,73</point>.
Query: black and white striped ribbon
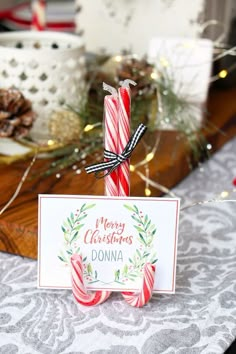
<point>114,160</point>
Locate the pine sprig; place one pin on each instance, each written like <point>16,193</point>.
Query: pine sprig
<point>145,228</point>
<point>156,105</point>
<point>71,229</point>
<point>146,233</point>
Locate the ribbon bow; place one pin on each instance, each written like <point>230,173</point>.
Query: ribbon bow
<point>114,160</point>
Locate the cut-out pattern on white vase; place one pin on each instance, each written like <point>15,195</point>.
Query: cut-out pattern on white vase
<point>47,67</point>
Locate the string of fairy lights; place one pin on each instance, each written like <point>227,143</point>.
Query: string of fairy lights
<point>142,167</point>
<point>149,156</point>
<point>151,152</point>
<point>221,49</point>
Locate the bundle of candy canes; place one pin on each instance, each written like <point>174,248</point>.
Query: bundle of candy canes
<point>117,115</point>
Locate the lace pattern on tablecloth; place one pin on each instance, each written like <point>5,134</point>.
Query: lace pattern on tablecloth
<point>199,318</point>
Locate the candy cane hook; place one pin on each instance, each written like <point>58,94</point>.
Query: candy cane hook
<point>79,291</point>
<point>140,298</point>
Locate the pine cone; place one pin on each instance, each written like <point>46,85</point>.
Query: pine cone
<point>139,71</point>
<point>16,114</point>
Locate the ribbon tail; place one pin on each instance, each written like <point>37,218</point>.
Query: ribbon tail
<point>99,167</point>
<point>109,171</point>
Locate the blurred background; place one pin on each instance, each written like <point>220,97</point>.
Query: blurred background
<point>17,15</point>
<point>133,23</point>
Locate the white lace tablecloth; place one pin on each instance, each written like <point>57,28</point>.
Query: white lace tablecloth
<point>199,318</point>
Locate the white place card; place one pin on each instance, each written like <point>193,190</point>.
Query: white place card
<point>187,62</point>
<point>116,237</point>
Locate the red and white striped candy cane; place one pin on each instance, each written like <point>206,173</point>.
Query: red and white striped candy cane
<point>124,116</point>
<point>111,136</point>
<point>79,291</point>
<point>139,299</point>
<point>38,15</point>
<point>117,134</point>
<point>136,299</point>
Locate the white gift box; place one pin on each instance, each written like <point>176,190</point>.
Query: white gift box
<point>47,67</point>
<point>188,63</point>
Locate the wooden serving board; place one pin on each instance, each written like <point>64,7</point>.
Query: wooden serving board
<point>18,224</point>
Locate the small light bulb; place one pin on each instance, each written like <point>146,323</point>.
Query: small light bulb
<point>132,168</point>
<point>154,75</point>
<point>209,146</point>
<point>147,192</point>
<point>164,62</point>
<point>149,156</point>
<point>88,127</point>
<point>51,142</point>
<point>224,194</point>
<point>118,58</point>
<point>167,120</point>
<point>223,73</point>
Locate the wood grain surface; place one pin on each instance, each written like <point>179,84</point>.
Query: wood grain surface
<point>18,224</point>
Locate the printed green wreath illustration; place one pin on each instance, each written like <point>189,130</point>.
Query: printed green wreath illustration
<point>71,227</point>
<point>146,233</point>
<point>131,270</point>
